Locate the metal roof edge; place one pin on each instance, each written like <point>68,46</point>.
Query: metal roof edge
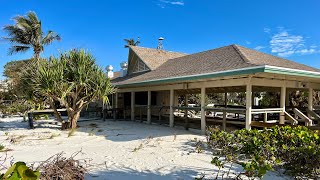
<point>289,71</point>
<point>241,71</point>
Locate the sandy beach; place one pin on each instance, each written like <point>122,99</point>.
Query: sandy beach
<point>114,149</point>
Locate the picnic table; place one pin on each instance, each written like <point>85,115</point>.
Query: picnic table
<point>41,112</point>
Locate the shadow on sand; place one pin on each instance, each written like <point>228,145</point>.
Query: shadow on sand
<point>120,131</point>
<point>128,173</point>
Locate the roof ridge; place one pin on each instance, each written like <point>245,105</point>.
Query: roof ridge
<point>242,55</point>
<point>157,49</point>
<point>280,58</point>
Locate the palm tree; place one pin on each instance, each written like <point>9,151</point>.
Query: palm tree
<point>131,42</point>
<point>27,33</point>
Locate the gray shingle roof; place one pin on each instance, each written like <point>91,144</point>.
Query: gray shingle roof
<point>153,57</point>
<point>221,59</point>
<point>260,58</point>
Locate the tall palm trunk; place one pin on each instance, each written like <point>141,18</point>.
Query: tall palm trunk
<point>36,55</point>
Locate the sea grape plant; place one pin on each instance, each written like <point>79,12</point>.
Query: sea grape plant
<point>293,149</point>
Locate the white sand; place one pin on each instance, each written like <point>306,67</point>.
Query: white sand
<point>111,145</point>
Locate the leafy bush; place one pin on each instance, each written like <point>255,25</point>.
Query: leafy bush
<point>16,107</point>
<point>294,149</point>
<point>19,170</point>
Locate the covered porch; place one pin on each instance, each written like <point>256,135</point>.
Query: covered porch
<point>168,103</point>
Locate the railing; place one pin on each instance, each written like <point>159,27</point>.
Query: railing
<point>268,110</point>
<point>230,110</point>
<point>140,108</point>
<point>308,121</point>
<point>313,115</point>
<point>292,119</point>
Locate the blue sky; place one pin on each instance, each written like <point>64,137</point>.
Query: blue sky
<point>286,28</point>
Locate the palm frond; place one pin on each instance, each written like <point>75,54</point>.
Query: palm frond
<point>131,42</point>
<point>33,17</point>
<point>17,49</point>
<point>50,37</point>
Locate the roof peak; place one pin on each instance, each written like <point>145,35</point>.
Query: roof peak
<point>160,50</point>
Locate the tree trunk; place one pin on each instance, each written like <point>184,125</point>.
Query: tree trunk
<point>36,56</point>
<point>56,113</point>
<point>73,119</point>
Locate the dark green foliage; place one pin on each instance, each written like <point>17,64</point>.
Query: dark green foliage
<point>12,69</point>
<point>19,171</point>
<point>1,147</point>
<point>295,149</point>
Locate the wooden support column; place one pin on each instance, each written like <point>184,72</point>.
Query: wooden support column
<point>283,103</point>
<point>224,121</point>
<point>171,119</point>
<point>310,100</point>
<point>133,98</point>
<point>116,97</point>
<point>186,97</point>
<point>149,108</point>
<point>248,104</point>
<point>203,113</point>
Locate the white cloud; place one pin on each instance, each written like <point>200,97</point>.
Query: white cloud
<point>267,30</point>
<point>259,47</point>
<point>285,44</point>
<point>307,51</point>
<point>248,42</point>
<point>164,3</point>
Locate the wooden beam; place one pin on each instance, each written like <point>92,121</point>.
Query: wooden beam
<point>171,119</point>
<point>203,113</point>
<point>133,98</point>
<point>149,108</point>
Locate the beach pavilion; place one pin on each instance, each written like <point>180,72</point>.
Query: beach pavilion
<point>150,85</point>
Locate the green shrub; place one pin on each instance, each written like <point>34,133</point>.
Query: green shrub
<point>295,149</point>
<point>19,171</point>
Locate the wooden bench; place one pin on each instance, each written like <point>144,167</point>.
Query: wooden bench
<point>41,112</point>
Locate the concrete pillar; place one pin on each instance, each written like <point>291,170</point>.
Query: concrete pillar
<point>248,104</point>
<point>133,99</point>
<point>203,113</point>
<point>171,107</point>
<point>149,108</point>
<point>282,103</point>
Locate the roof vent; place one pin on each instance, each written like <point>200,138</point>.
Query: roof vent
<point>124,69</point>
<point>109,69</point>
<point>160,45</point>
